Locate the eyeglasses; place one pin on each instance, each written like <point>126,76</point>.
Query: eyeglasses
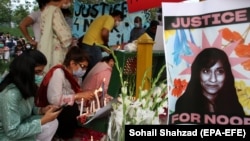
<point>39,72</point>
<point>83,66</point>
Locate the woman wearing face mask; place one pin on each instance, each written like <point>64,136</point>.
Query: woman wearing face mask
<point>138,30</point>
<point>56,35</point>
<point>60,87</point>
<point>41,62</point>
<point>20,119</point>
<point>4,51</point>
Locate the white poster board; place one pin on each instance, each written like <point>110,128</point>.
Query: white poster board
<point>202,93</point>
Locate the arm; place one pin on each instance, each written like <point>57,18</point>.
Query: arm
<point>107,27</point>
<point>23,26</point>
<point>55,87</point>
<point>105,36</point>
<point>16,118</point>
<point>86,95</point>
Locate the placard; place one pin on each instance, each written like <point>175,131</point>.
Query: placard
<point>207,50</point>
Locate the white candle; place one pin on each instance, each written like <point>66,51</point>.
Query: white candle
<point>91,138</point>
<point>81,108</point>
<point>97,99</point>
<point>87,110</point>
<point>93,106</point>
<point>105,101</point>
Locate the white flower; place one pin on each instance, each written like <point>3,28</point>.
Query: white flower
<point>124,90</point>
<point>157,91</point>
<point>144,93</point>
<point>142,110</point>
<point>131,47</point>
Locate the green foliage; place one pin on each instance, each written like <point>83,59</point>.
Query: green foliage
<point>19,13</point>
<point>3,66</point>
<point>14,31</point>
<point>5,12</point>
<point>98,1</point>
<point>13,12</point>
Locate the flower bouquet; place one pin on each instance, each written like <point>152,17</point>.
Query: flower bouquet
<point>149,107</point>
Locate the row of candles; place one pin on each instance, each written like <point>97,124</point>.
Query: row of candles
<point>92,107</point>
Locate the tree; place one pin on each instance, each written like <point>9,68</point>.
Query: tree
<point>98,1</point>
<point>19,13</point>
<point>5,12</point>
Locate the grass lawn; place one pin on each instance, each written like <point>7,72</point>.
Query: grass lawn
<point>3,66</point>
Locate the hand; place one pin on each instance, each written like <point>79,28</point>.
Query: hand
<point>108,98</point>
<point>86,95</point>
<point>33,43</point>
<point>50,114</point>
<point>43,110</point>
<point>116,47</point>
<point>74,42</point>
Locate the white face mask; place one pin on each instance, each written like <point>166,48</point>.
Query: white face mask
<point>117,23</point>
<point>79,73</point>
<point>66,6</point>
<point>137,25</point>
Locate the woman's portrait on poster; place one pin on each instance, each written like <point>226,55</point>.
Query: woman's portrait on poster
<point>211,88</point>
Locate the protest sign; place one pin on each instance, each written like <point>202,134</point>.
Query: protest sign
<point>207,50</point>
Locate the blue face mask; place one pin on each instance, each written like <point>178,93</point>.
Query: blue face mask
<point>1,45</point>
<point>38,79</point>
<point>79,73</point>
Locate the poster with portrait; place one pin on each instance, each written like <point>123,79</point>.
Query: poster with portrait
<point>207,48</point>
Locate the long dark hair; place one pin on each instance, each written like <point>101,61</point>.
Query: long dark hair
<point>38,56</point>
<point>22,73</point>
<point>193,100</point>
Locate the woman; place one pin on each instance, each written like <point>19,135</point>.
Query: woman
<point>33,19</point>
<point>56,35</point>
<point>137,31</point>
<point>211,87</point>
<point>19,49</point>
<point>4,51</point>
<point>60,87</point>
<point>99,75</point>
<point>20,119</point>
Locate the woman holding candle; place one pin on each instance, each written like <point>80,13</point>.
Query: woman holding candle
<point>99,77</point>
<point>60,86</point>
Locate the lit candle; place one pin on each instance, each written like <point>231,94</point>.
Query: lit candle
<point>81,108</point>
<point>105,101</point>
<point>91,138</point>
<point>97,98</point>
<point>94,106</point>
<point>87,110</point>
<point>91,107</point>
